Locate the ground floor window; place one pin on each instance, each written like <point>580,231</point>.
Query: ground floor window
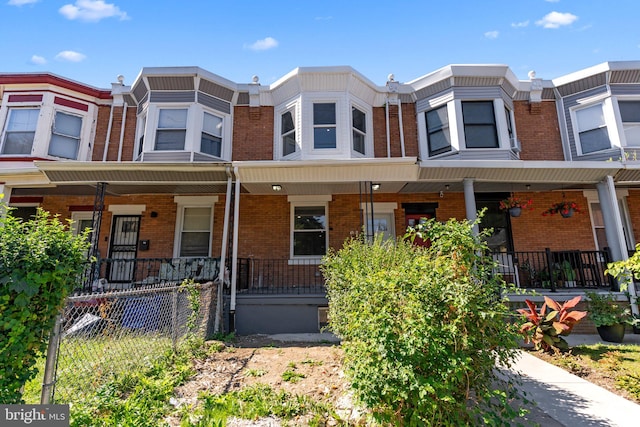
<point>195,233</point>
<point>309,230</point>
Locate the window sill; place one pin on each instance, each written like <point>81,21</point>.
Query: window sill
<point>305,261</point>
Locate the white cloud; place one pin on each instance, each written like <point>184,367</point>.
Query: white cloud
<point>492,34</point>
<point>556,20</point>
<point>38,60</point>
<point>264,44</point>
<point>70,56</point>
<point>92,11</point>
<point>520,24</point>
<point>21,2</point>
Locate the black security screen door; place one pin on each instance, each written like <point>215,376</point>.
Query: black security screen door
<point>124,246</point>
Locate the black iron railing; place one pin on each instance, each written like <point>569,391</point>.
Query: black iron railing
<point>553,270</point>
<point>279,276</point>
<point>112,274</point>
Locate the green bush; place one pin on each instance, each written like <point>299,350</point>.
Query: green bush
<point>40,262</point>
<point>422,328</point>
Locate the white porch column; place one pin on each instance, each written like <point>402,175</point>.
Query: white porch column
<point>612,219</point>
<point>614,231</point>
<point>234,254</point>
<point>470,203</point>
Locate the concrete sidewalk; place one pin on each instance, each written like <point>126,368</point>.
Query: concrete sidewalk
<point>568,399</point>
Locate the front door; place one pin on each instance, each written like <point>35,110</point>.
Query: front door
<point>124,247</point>
<point>383,224</point>
<point>412,220</point>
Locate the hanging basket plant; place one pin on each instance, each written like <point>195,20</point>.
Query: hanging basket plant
<point>565,208</point>
<point>515,205</point>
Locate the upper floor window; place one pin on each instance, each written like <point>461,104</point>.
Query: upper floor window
<point>630,115</point>
<point>359,130</point>
<point>65,136</point>
<point>287,133</point>
<point>479,124</point>
<point>592,129</point>
<point>438,136</point>
<point>172,129</point>
<point>20,130</point>
<point>211,142</point>
<point>324,125</point>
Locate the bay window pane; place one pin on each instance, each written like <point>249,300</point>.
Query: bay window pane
<point>324,137</point>
<point>172,119</point>
<point>594,140</point>
<point>20,131</point>
<point>64,146</point>
<point>324,114</point>
<point>212,124</point>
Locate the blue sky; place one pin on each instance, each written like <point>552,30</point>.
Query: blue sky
<point>92,41</point>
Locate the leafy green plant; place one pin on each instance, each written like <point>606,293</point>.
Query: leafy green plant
<point>604,311</point>
<point>254,372</point>
<point>40,263</point>
<point>545,330</point>
<point>292,376</point>
<point>422,328</point>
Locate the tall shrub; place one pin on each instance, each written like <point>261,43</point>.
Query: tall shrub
<point>422,328</point>
<point>40,262</point>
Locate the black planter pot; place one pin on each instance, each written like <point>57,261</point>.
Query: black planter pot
<point>612,333</point>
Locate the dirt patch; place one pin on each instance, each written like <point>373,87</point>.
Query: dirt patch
<point>310,369</point>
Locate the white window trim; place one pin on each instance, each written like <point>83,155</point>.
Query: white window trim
<point>193,135</point>
<point>500,121</point>
<point>76,217</point>
<point>183,202</point>
<point>619,125</point>
<point>127,209</point>
<point>343,126</point>
<point>368,135</point>
<point>295,201</point>
<point>294,107</point>
<point>456,127</point>
<point>610,122</point>
<point>44,127</point>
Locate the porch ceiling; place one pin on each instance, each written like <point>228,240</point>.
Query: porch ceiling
<point>523,172</point>
<point>134,173</point>
<point>122,189</point>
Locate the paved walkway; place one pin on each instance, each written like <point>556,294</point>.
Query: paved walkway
<point>570,400</point>
<point>562,399</point>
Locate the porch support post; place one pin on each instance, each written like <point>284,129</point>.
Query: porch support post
<point>470,203</point>
<point>234,256</point>
<point>612,219</point>
<point>614,231</point>
<point>222,273</point>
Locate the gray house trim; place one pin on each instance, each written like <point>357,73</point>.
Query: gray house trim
<point>214,89</point>
<point>214,103</point>
<point>140,90</point>
<point>180,83</point>
<point>179,97</point>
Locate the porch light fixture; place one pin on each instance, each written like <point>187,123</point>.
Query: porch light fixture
<point>276,187</point>
<point>375,187</point>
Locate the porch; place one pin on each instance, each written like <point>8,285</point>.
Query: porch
<point>541,270</point>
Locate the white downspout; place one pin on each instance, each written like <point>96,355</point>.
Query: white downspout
<point>106,143</point>
<point>234,257</point>
<point>124,122</point>
<point>223,253</point>
<point>388,131</point>
<point>401,127</point>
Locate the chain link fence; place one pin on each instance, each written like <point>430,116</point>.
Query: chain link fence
<point>101,335</point>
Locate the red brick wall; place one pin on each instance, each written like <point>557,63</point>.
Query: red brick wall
<point>538,130</point>
<point>253,133</point>
<point>114,139</point>
<point>409,128</point>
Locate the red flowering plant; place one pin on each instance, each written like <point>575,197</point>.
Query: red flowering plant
<point>515,202</point>
<point>563,208</point>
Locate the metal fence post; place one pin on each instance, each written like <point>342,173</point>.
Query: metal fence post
<point>174,318</point>
<point>49,380</point>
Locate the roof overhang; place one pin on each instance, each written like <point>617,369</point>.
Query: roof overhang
<point>326,176</point>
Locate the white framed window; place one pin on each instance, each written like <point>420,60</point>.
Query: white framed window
<point>288,132</point>
<point>383,221</point>
<point>479,124</point>
<point>591,129</point>
<point>438,135</point>
<point>65,135</point>
<point>630,116</point>
<point>359,130</point>
<point>172,129</point>
<point>141,129</point>
<point>324,125</point>
<point>211,140</point>
<point>309,226</point>
<point>20,130</point>
<point>194,226</point>
<point>81,221</point>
